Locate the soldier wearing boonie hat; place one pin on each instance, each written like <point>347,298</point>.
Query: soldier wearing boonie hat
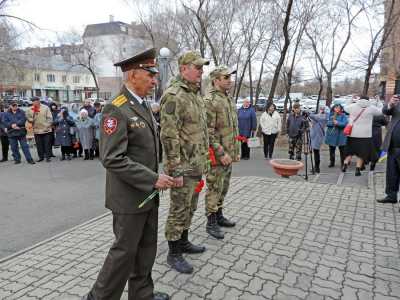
<point>185,143</point>
<point>129,152</point>
<point>223,131</point>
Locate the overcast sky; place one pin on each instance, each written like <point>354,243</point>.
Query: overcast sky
<point>60,16</point>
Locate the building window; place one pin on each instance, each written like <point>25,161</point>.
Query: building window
<point>37,77</point>
<point>51,78</point>
<point>76,79</point>
<point>64,78</point>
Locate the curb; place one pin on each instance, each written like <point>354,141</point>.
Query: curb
<point>7,258</point>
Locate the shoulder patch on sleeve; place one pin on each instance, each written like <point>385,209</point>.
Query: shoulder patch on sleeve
<point>110,125</point>
<point>120,100</point>
<point>170,107</point>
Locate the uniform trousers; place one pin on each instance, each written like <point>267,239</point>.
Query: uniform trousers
<point>182,206</point>
<point>393,172</point>
<point>218,179</point>
<point>130,258</point>
<point>43,145</point>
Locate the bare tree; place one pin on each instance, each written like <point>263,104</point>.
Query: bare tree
<point>330,33</point>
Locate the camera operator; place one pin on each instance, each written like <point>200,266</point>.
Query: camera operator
<point>391,145</point>
<point>296,124</point>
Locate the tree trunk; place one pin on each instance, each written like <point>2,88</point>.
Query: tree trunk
<point>366,80</point>
<point>251,84</point>
<point>321,87</point>
<point>283,52</point>
<point>329,91</point>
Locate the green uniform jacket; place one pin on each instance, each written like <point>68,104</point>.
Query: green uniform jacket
<point>184,135</point>
<point>129,152</point>
<point>222,123</point>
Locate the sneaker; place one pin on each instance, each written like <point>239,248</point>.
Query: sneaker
<point>16,162</point>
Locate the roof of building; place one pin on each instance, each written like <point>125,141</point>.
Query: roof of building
<point>108,28</point>
<point>52,63</point>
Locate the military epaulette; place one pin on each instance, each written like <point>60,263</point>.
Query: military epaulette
<point>120,100</point>
<point>172,90</point>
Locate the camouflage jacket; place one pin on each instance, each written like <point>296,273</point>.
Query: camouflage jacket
<point>183,124</point>
<point>222,124</point>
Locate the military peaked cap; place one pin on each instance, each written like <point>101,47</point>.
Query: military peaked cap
<point>192,57</point>
<point>145,60</point>
<point>221,71</point>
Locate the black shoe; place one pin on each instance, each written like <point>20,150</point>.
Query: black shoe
<point>40,159</point>
<point>89,296</point>
<point>317,170</point>
<point>176,260</point>
<point>246,158</point>
<point>188,247</point>
<point>31,162</point>
<point>16,162</point>
<point>362,168</point>
<point>160,296</point>
<point>4,159</point>
<point>52,155</point>
<point>48,159</point>
<point>68,157</point>
<point>62,158</point>
<point>344,167</point>
<point>291,157</point>
<point>222,221</point>
<point>298,158</point>
<point>213,228</point>
<point>387,199</point>
<point>358,172</point>
<point>331,164</point>
<point>86,158</point>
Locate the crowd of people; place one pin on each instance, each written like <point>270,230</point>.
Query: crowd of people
<point>328,126</point>
<point>75,131</point>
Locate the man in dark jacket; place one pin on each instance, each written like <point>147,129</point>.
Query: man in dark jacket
<point>295,126</point>
<point>391,145</point>
<point>14,121</point>
<point>3,136</point>
<point>129,152</point>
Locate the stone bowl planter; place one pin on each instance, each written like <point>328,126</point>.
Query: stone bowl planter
<point>286,167</point>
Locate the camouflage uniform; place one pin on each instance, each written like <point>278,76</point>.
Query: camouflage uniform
<point>185,143</point>
<point>222,129</point>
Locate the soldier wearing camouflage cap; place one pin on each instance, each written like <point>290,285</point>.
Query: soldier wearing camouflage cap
<point>222,131</point>
<point>185,142</point>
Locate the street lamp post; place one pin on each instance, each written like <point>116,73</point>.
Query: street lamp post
<point>163,63</point>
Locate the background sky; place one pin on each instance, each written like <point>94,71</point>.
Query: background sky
<point>58,16</point>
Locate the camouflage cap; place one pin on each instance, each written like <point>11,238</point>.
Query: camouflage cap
<point>192,57</point>
<point>221,71</point>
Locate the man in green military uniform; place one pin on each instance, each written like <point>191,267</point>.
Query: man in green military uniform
<point>223,131</point>
<point>185,142</point>
<point>129,152</point>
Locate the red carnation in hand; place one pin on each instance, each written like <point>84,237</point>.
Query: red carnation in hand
<point>211,155</point>
<point>241,138</point>
<point>199,186</point>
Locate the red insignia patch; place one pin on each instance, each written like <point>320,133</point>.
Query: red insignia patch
<point>110,125</point>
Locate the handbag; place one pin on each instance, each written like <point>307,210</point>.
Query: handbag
<point>349,127</point>
<point>253,142</point>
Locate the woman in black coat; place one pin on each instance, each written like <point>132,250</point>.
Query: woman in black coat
<point>64,138</point>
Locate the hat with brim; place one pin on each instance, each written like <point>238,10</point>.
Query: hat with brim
<point>221,71</point>
<point>145,60</point>
<point>192,57</point>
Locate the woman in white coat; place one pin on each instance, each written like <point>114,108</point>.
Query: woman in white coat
<point>270,123</point>
<point>359,142</point>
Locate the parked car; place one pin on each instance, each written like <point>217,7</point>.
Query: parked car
<point>261,103</point>
<point>280,105</point>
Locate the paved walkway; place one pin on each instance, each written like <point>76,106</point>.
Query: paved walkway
<point>293,240</point>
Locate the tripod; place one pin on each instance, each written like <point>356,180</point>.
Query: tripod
<point>307,150</point>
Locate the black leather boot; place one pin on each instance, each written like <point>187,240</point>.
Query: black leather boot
<point>176,260</point>
<point>358,172</point>
<point>188,247</point>
<point>213,228</point>
<point>222,221</point>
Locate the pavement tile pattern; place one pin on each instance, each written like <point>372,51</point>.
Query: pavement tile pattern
<point>293,240</point>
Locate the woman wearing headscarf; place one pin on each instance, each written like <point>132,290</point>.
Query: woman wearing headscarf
<point>317,134</point>
<point>86,133</point>
<point>64,138</point>
<point>247,120</point>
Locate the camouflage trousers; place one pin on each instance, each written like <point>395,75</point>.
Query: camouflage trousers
<point>182,206</point>
<point>218,179</point>
<point>295,145</point>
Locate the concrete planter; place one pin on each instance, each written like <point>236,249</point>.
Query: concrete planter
<point>286,167</point>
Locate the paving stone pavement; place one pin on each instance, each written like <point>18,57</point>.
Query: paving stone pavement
<point>293,240</point>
